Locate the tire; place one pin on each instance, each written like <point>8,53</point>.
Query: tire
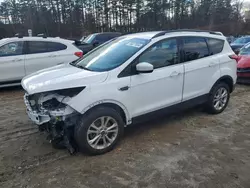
<point>213,97</point>
<point>83,137</point>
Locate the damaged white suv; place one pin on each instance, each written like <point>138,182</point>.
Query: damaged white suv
<point>86,104</point>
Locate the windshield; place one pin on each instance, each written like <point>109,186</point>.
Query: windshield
<point>111,54</point>
<point>245,50</point>
<point>242,40</point>
<point>89,39</point>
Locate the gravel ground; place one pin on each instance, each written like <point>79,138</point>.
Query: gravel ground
<point>191,149</point>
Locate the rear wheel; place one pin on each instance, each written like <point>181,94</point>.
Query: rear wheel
<point>99,131</point>
<point>218,98</point>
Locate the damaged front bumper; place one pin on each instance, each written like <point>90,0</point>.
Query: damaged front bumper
<point>40,115</point>
<point>38,119</point>
<point>57,118</point>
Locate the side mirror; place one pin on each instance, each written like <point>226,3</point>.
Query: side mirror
<point>144,67</point>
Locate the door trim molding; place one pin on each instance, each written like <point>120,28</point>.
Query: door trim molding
<point>172,109</point>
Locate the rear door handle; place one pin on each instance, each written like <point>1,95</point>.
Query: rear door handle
<point>173,74</point>
<point>124,88</point>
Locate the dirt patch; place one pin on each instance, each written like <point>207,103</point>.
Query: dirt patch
<point>191,149</point>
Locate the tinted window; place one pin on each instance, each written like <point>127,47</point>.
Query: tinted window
<point>11,49</point>
<point>102,38</point>
<point>55,46</point>
<point>161,54</point>
<point>111,54</point>
<point>43,47</point>
<point>215,45</point>
<point>37,47</point>
<point>195,48</point>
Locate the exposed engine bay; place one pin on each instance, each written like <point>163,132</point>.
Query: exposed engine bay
<point>51,112</point>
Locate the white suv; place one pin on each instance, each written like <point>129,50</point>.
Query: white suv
<point>22,56</point>
<point>128,79</point>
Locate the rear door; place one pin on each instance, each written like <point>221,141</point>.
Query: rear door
<point>11,62</point>
<point>201,68</point>
<point>41,55</point>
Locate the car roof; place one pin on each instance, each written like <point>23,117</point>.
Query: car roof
<point>49,39</point>
<point>175,33</point>
<point>107,33</point>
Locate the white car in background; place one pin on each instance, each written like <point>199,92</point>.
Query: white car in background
<point>21,56</point>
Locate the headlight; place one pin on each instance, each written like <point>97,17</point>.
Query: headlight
<point>70,92</point>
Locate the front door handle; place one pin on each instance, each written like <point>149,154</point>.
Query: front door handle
<point>173,74</point>
<point>124,88</point>
<point>16,60</point>
<point>52,55</point>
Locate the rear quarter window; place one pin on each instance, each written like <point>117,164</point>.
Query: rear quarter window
<point>55,46</point>
<point>215,45</point>
<point>36,47</point>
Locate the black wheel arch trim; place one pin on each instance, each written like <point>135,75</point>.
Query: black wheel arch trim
<point>228,80</point>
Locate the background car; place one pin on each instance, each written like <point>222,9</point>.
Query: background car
<point>243,66</point>
<point>239,43</point>
<point>230,39</point>
<point>90,42</point>
<point>22,56</point>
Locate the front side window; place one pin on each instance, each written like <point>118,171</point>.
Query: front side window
<point>194,48</point>
<point>161,54</point>
<point>11,49</point>
<point>112,54</point>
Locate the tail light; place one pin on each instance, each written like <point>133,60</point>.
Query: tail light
<point>79,54</point>
<point>235,57</point>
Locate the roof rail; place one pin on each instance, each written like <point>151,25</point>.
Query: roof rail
<point>18,35</point>
<point>186,30</point>
<point>42,35</point>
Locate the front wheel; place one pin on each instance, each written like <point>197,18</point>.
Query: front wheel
<point>218,98</point>
<point>99,131</point>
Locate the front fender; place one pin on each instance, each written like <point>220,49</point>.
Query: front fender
<point>110,101</point>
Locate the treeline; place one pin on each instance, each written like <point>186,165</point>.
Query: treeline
<point>70,18</point>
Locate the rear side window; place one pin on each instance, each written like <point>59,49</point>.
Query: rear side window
<point>215,45</point>
<point>55,46</point>
<point>36,47</point>
<point>194,48</point>
<point>43,47</point>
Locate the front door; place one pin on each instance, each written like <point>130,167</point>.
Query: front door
<point>11,63</point>
<point>161,88</point>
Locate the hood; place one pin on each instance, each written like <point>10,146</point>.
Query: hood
<point>61,77</point>
<point>244,61</point>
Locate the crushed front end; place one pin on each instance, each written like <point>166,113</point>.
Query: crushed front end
<point>51,112</point>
